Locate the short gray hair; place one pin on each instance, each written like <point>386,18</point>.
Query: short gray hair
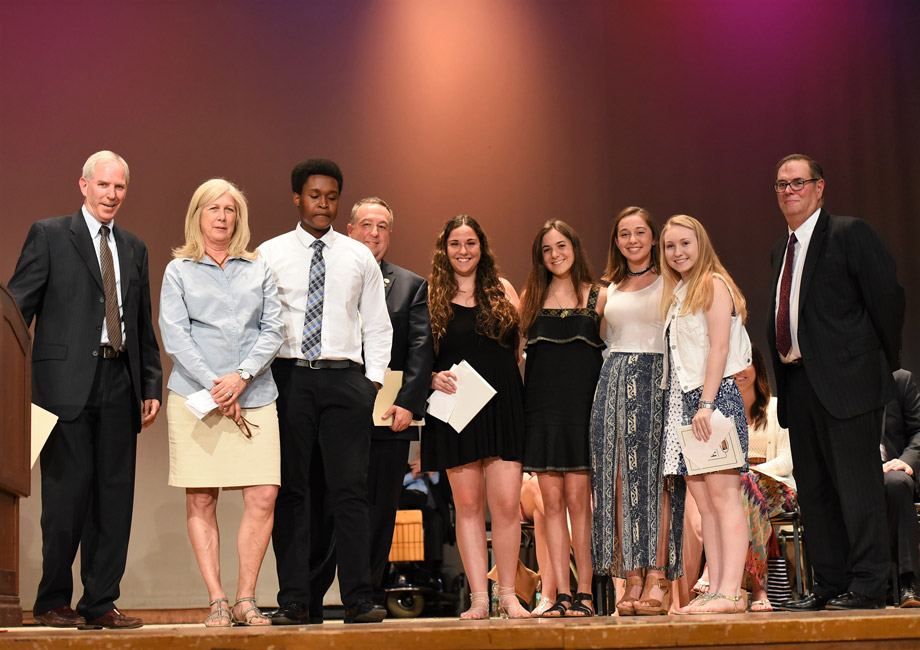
<point>89,167</point>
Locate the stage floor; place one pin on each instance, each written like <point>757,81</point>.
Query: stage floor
<point>890,629</point>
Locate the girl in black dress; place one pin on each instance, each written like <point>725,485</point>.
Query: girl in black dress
<point>474,318</point>
<point>562,316</point>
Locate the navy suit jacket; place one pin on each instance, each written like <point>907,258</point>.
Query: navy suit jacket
<point>851,310</point>
<point>57,282</point>
<point>413,347</point>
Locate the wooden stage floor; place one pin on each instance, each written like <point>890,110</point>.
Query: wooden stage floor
<point>890,629</point>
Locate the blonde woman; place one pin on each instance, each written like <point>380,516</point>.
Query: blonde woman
<point>220,320</point>
<point>704,314</point>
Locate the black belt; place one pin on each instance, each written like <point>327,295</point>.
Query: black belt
<point>107,352</point>
<point>322,364</point>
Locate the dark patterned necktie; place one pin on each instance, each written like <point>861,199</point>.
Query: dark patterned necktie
<point>783,329</point>
<point>112,317</point>
<point>313,316</point>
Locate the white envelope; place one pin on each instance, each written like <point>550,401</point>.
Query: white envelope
<point>200,403</point>
<point>473,393</point>
<point>721,451</point>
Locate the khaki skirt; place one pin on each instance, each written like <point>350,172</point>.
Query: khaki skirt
<point>213,452</point>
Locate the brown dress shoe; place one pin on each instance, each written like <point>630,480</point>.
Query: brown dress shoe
<point>115,620</point>
<point>63,616</point>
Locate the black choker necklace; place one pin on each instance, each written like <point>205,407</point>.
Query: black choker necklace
<point>636,274</point>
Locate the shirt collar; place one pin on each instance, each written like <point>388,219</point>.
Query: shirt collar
<point>93,224</point>
<point>307,239</point>
<point>803,232</point>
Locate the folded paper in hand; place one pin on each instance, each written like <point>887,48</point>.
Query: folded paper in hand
<point>201,403</point>
<point>386,397</point>
<point>473,392</point>
<point>721,451</point>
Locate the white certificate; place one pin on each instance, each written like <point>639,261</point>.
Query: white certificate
<point>721,451</point>
<point>473,393</point>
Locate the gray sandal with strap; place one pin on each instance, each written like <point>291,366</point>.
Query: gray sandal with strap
<point>247,619</point>
<point>217,616</point>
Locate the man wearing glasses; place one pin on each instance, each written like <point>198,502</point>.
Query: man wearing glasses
<point>835,339</point>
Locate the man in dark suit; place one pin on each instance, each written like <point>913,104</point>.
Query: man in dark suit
<point>412,353</point>
<point>96,365</point>
<point>901,466</point>
<point>835,336</point>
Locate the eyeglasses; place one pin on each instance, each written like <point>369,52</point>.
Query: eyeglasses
<point>797,185</point>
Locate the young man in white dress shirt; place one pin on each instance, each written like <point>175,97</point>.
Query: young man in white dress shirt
<point>326,390</point>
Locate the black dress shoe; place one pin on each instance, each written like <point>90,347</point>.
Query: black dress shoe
<point>292,613</point>
<point>908,591</point>
<point>852,600</point>
<point>810,603</point>
<point>365,611</point>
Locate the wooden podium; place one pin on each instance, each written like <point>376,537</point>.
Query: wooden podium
<point>15,426</point>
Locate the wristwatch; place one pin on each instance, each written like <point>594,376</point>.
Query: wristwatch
<point>706,404</point>
<point>245,376</point>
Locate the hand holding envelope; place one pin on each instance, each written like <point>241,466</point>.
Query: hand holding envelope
<point>457,409</point>
<point>721,451</point>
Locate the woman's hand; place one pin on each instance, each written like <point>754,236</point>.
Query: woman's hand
<point>234,411</point>
<point>702,428</point>
<point>444,381</point>
<point>227,391</point>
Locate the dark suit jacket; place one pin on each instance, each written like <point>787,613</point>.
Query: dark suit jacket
<point>413,348</point>
<point>57,281</point>
<point>851,309</point>
<point>901,435</point>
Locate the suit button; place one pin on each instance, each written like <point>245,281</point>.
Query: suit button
<point>95,353</point>
<point>98,328</point>
<point>101,298</point>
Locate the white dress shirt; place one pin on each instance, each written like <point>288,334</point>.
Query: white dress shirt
<point>802,238</point>
<point>95,232</point>
<point>354,303</point>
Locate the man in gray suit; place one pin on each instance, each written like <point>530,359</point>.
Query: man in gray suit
<point>835,337</point>
<point>96,365</point>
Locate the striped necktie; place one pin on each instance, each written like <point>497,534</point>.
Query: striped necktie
<point>112,315</point>
<point>313,316</point>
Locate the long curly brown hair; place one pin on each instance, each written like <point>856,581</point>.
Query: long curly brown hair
<point>540,277</point>
<point>496,317</point>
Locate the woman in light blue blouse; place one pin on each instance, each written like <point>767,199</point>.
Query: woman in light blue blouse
<point>220,320</point>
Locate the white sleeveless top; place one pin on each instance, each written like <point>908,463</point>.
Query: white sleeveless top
<point>634,319</point>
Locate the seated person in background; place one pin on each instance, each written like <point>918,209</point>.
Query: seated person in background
<point>768,488</point>
<point>532,510</point>
<point>420,493</point>
<point>900,450</point>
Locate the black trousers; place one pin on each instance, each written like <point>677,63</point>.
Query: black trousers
<point>903,530</point>
<point>385,474</point>
<point>840,492</point>
<point>328,409</point>
<point>88,495</point>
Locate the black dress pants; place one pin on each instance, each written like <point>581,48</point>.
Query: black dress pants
<point>385,474</point>
<point>903,529</point>
<point>330,408</point>
<point>840,492</point>
<point>87,474</point>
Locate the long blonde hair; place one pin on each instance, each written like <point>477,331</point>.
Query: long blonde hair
<point>207,193</point>
<point>699,284</point>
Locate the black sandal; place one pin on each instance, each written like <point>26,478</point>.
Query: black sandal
<point>582,607</point>
<point>559,608</point>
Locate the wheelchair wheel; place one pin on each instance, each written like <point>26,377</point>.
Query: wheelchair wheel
<point>405,604</point>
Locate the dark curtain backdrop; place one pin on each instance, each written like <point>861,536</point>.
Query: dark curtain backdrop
<point>513,111</point>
